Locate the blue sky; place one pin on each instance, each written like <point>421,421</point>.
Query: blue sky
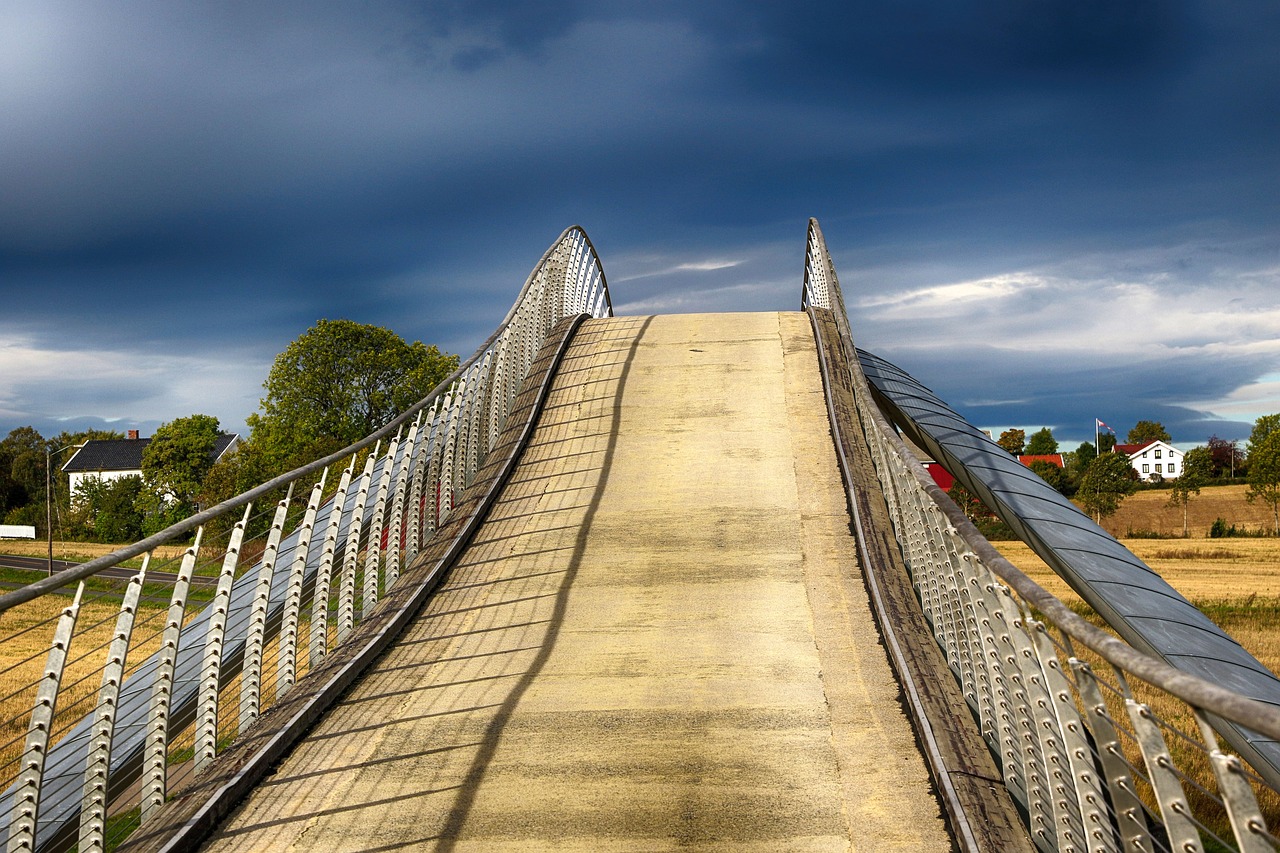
<point>1047,212</point>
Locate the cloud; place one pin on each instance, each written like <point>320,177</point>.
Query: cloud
<point>47,387</point>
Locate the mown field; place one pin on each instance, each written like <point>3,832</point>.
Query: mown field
<point>1149,512</point>
<point>76,551</point>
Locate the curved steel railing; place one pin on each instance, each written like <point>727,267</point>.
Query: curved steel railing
<point>1085,754</point>
<point>139,688</point>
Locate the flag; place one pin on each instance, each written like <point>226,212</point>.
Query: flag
<point>1101,425</point>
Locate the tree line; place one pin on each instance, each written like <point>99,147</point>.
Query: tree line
<point>336,383</point>
<point>1099,479</point>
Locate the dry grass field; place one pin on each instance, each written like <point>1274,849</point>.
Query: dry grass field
<point>1235,582</point>
<point>1149,511</point>
<point>77,551</point>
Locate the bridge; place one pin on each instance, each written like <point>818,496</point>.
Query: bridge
<point>635,583</point>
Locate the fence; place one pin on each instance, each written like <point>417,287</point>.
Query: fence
<point>1104,747</point>
<point>127,675</point>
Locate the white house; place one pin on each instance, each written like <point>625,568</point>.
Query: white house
<point>111,459</point>
<point>1153,459</point>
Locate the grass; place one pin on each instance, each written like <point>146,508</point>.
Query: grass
<point>81,552</point>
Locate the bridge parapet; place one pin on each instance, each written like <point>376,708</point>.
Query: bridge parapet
<point>166,652</point>
<point>1081,723</point>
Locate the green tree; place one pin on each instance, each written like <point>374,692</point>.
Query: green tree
<point>16,452</point>
<point>1197,469</point>
<point>1085,454</point>
<point>338,382</point>
<point>1106,483</point>
<point>1050,473</point>
<point>1042,443</point>
<point>1264,473</point>
<point>109,510</point>
<point>176,461</point>
<point>1228,460</point>
<point>1147,431</point>
<point>1262,428</point>
<point>1013,440</point>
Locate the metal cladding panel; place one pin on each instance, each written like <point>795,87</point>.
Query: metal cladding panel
<point>1139,604</point>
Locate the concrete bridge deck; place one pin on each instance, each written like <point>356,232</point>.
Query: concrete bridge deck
<point>658,639</point>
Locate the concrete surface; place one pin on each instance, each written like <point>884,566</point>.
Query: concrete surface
<point>657,641</point>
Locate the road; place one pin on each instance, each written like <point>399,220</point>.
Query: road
<point>41,564</point>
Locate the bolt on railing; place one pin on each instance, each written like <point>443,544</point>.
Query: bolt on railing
<point>121,685</point>
<point>1104,747</point>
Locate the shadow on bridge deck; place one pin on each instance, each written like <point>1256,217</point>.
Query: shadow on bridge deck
<point>656,640</point>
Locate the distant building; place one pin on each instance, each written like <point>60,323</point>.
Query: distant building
<point>1155,459</point>
<point>111,459</point>
<point>940,475</point>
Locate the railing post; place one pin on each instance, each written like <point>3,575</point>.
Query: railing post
<point>155,760</point>
<point>26,799</point>
<point>206,745</point>
<point>93,807</point>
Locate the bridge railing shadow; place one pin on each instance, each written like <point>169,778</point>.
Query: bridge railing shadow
<point>1103,746</point>
<point>129,674</point>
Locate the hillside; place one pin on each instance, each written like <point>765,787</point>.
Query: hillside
<point>1148,512</point>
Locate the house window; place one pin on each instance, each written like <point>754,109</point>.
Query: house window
<point>1170,467</point>
<point>1157,467</point>
<point>1157,454</point>
<point>1146,469</point>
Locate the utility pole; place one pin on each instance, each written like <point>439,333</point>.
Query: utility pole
<point>48,496</point>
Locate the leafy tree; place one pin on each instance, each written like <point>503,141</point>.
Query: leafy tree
<point>1197,468</point>
<point>1013,440</point>
<point>22,467</point>
<point>1262,428</point>
<point>1085,454</point>
<point>338,382</point>
<point>1107,481</point>
<point>1050,473</point>
<point>1042,443</point>
<point>1264,472</point>
<point>13,493</point>
<point>1146,431</point>
<point>1106,443</point>
<point>176,461</point>
<point>109,510</point>
<point>1226,455</point>
<point>973,508</point>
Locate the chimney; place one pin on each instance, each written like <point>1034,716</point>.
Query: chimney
<point>133,435</point>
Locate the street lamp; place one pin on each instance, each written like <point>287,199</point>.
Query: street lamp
<point>48,495</point>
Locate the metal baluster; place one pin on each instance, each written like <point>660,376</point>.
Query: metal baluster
<point>93,808</point>
<point>397,505</point>
<point>255,638</point>
<point>319,645</point>
<point>206,746</point>
<point>417,493</point>
<point>287,659</point>
<point>26,795</point>
<point>373,546</point>
<point>351,553</point>
<point>1130,816</point>
<point>1083,771</point>
<point>1183,835</point>
<point>155,761</point>
<point>1247,823</point>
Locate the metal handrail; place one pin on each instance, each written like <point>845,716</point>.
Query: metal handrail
<point>272,617</point>
<point>963,584</point>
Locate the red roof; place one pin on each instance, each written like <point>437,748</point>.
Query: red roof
<point>1051,458</point>
<point>1130,449</point>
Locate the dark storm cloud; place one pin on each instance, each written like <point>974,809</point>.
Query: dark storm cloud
<point>188,188</point>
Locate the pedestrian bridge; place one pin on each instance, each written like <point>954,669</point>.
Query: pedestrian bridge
<point>636,583</point>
